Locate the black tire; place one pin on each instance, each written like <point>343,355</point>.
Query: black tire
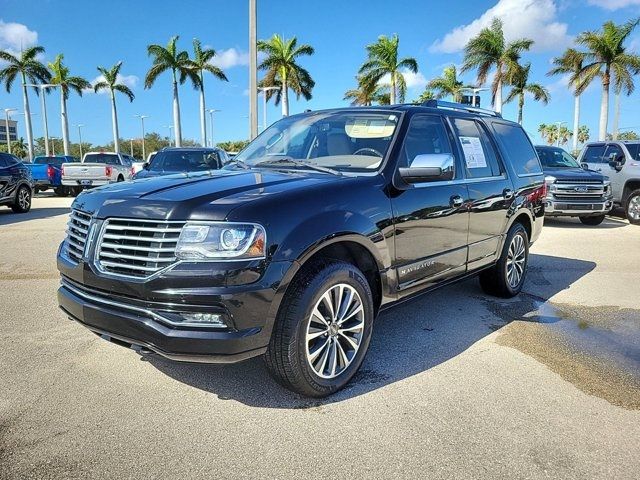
<point>61,191</point>
<point>630,208</point>
<point>592,220</point>
<point>494,280</point>
<point>286,356</point>
<point>22,203</point>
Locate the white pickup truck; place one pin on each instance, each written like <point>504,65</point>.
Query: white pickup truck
<point>98,168</point>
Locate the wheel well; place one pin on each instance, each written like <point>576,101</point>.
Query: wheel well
<point>360,257</point>
<point>629,187</point>
<point>525,221</point>
<point>120,177</point>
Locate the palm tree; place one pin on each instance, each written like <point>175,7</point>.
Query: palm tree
<point>169,58</point>
<point>571,63</point>
<point>111,83</point>
<point>518,78</point>
<point>426,96</point>
<point>29,68</point>
<point>548,132</point>
<point>283,72</point>
<point>202,63</point>
<point>365,94</point>
<point>448,84</point>
<point>19,148</point>
<point>382,61</point>
<point>583,135</point>
<point>66,82</point>
<point>488,50</point>
<point>606,55</point>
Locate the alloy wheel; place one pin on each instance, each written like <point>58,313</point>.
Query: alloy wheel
<point>24,198</point>
<point>334,331</point>
<point>516,260</point>
<point>633,210</point>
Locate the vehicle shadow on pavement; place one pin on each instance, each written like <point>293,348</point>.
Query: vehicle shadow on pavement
<point>569,222</point>
<point>407,340</point>
<point>7,217</point>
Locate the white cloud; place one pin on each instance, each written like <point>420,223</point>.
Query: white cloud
<point>230,58</point>
<point>534,19</point>
<point>414,80</point>
<point>130,81</point>
<point>613,4</point>
<point>15,36</point>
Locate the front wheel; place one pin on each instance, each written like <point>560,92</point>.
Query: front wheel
<point>592,220</point>
<point>506,278</point>
<point>322,330</point>
<point>22,203</point>
<point>633,207</point>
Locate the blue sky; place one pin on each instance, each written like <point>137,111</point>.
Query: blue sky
<point>102,33</point>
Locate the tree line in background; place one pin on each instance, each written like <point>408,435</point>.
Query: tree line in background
<point>380,80</point>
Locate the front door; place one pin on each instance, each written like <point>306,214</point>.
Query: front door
<point>593,156</point>
<point>431,218</point>
<point>614,152</point>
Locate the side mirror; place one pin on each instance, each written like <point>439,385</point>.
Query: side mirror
<point>429,167</point>
<point>585,166</point>
<point>145,166</point>
<point>616,164</point>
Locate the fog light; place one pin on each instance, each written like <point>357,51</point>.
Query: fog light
<point>204,319</point>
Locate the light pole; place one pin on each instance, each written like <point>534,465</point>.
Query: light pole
<point>211,112</point>
<point>475,91</point>
<point>253,70</point>
<point>53,145</point>
<point>43,106</point>
<point>131,146</point>
<point>80,125</point>
<point>7,114</point>
<point>264,91</point>
<point>170,127</point>
<point>142,117</point>
<point>558,124</point>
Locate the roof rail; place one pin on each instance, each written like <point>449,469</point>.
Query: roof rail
<point>460,106</point>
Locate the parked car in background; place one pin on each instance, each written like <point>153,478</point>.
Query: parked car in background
<point>47,173</point>
<point>173,160</point>
<point>620,161</point>
<point>573,191</point>
<point>16,184</point>
<point>325,219</point>
<point>98,168</point>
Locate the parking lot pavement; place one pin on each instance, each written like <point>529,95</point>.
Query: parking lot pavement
<point>455,385</point>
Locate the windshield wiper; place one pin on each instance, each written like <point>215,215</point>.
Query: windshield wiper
<point>299,163</point>
<point>242,164</point>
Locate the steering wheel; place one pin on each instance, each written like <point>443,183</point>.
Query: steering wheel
<point>369,150</point>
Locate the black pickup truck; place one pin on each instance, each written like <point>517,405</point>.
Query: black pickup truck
<point>324,220</point>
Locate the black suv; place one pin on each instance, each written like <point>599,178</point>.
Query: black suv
<point>16,184</point>
<point>324,220</point>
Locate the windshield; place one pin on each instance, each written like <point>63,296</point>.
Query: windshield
<point>345,141</point>
<point>184,161</point>
<point>556,158</point>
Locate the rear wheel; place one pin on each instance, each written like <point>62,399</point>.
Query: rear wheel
<point>592,220</point>
<point>322,330</point>
<point>22,203</point>
<point>633,207</point>
<point>506,278</point>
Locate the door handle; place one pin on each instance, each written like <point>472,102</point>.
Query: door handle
<point>456,201</point>
<point>507,193</point>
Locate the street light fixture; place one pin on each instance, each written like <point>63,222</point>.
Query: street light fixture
<point>80,125</point>
<point>43,106</point>
<point>142,117</point>
<point>264,91</point>
<point>475,91</point>
<point>7,114</point>
<point>53,145</point>
<point>558,124</point>
<point>211,112</point>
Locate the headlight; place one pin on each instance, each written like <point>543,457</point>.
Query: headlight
<point>221,241</point>
<point>551,183</point>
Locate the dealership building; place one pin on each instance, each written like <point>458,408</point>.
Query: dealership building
<point>13,126</point>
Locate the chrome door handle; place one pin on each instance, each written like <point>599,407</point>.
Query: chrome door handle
<point>507,193</point>
<point>456,201</point>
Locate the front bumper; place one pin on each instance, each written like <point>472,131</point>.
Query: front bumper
<point>575,208</point>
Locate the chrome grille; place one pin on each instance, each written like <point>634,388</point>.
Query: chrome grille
<point>77,232</point>
<point>593,190</point>
<point>137,248</point>
<point>582,181</point>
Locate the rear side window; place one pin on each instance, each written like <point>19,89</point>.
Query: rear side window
<point>480,159</point>
<point>518,149</point>
<point>593,154</point>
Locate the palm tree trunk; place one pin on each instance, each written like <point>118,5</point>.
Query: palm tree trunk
<point>176,113</point>
<point>604,108</point>
<point>520,107</point>
<point>114,121</point>
<point>616,115</point>
<point>498,96</point>
<point>27,117</point>
<point>203,116</point>
<point>576,122</point>
<point>65,122</point>
<point>392,93</point>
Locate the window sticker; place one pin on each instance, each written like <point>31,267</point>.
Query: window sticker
<point>473,153</point>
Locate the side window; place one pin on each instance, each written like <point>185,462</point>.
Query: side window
<point>613,152</point>
<point>480,158</point>
<point>593,154</point>
<point>518,148</point>
<point>426,135</point>
<point>3,161</point>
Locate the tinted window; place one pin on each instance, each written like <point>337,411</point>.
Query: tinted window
<point>57,161</point>
<point>184,161</point>
<point>593,154</point>
<point>518,148</point>
<point>478,154</point>
<point>634,150</point>
<point>556,158</point>
<point>613,152</point>
<point>426,135</point>
<point>108,158</point>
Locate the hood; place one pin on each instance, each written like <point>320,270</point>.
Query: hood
<point>574,173</point>
<point>202,196</point>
